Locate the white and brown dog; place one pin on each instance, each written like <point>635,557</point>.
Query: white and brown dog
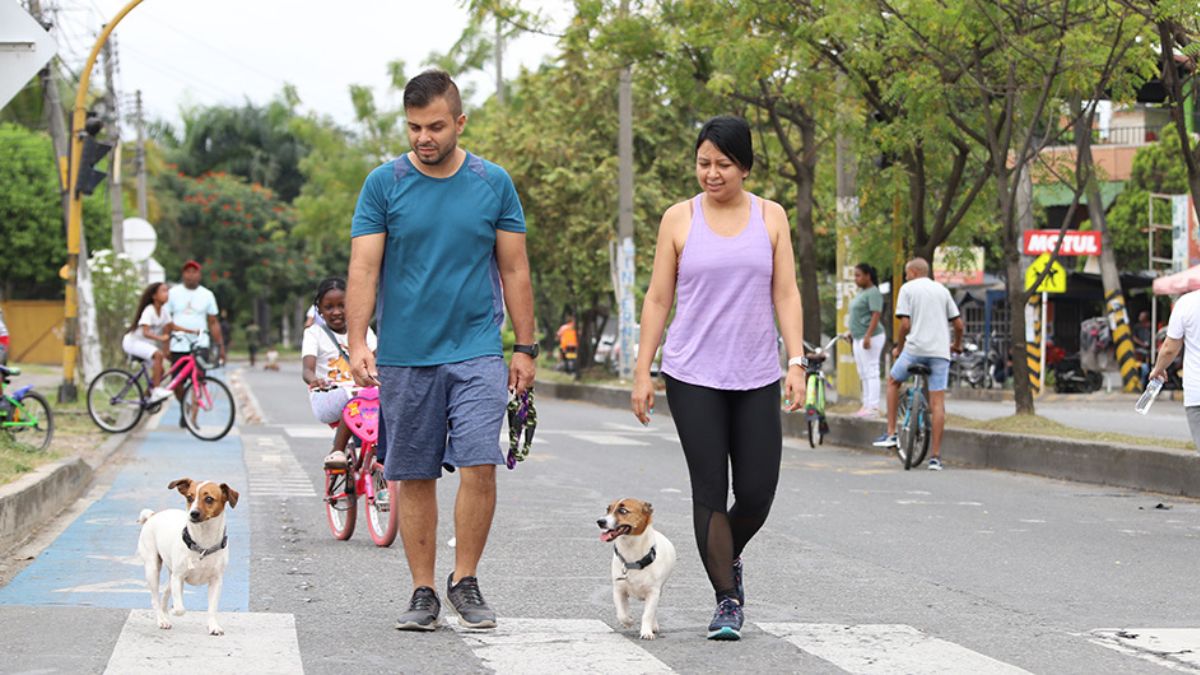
<point>642,560</point>
<point>193,545</point>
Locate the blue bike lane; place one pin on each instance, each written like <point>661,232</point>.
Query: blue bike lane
<point>94,562</point>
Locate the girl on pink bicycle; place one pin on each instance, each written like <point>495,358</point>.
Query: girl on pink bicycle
<point>147,337</point>
<point>324,353</point>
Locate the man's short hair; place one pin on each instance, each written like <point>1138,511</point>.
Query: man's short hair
<point>918,265</point>
<point>433,83</point>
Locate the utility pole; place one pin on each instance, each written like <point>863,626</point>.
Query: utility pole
<point>625,250</point>
<point>52,110</point>
<point>114,174</point>
<point>499,59</point>
<point>141,157</point>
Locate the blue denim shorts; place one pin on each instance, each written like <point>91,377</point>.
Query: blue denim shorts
<point>939,369</point>
<point>447,414</point>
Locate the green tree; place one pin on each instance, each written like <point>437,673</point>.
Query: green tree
<point>240,233</point>
<point>31,219</point>
<point>1156,168</point>
<point>254,142</point>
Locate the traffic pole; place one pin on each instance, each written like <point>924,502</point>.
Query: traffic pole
<point>1042,367</point>
<point>67,391</point>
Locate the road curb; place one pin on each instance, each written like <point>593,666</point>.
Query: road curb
<point>36,498</point>
<point>1173,472</point>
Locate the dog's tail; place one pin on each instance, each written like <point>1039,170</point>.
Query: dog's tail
<point>144,516</point>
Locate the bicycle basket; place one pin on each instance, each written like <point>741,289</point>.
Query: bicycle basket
<point>361,415</point>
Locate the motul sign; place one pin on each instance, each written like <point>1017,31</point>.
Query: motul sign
<point>1074,242</point>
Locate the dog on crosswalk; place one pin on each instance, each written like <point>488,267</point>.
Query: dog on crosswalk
<point>642,560</point>
<point>192,544</point>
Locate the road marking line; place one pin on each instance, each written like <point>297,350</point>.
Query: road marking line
<point>558,646</point>
<point>273,470</point>
<point>309,431</point>
<point>601,438</point>
<point>252,643</point>
<point>885,648</point>
<point>1174,648</point>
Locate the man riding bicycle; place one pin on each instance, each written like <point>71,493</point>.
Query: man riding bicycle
<point>193,309</point>
<point>924,308</point>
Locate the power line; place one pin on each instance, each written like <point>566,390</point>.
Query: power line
<point>275,79</point>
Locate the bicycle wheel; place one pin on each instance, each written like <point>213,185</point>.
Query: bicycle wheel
<point>381,516</point>
<point>924,432</point>
<point>114,400</point>
<point>341,504</point>
<point>208,409</point>
<point>813,431</point>
<point>31,425</point>
<point>901,423</point>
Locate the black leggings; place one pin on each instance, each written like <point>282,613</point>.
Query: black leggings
<point>719,428</point>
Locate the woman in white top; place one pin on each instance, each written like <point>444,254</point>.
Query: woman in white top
<point>147,337</point>
<point>323,354</point>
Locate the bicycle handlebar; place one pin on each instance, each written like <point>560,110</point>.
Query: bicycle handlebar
<point>821,350</point>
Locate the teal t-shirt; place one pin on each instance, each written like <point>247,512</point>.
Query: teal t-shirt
<point>439,291</point>
<point>861,307</point>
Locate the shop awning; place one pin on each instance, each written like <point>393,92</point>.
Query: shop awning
<point>1058,194</point>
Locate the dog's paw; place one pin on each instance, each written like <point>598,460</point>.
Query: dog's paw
<point>647,634</point>
<point>626,621</point>
<point>178,611</point>
<point>164,623</point>
<point>214,629</point>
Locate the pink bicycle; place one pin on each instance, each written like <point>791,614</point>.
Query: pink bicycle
<point>362,476</point>
<point>117,398</point>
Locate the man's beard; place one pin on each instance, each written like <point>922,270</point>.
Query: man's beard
<point>440,158</point>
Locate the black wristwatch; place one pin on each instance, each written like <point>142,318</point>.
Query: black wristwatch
<point>532,350</point>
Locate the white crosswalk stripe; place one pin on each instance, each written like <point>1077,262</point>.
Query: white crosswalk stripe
<point>559,646</point>
<point>885,648</point>
<point>1174,648</point>
<point>253,643</point>
<point>273,470</point>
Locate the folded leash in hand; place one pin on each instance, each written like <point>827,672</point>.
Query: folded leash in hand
<point>522,421</point>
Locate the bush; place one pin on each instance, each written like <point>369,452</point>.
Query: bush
<point>117,287</point>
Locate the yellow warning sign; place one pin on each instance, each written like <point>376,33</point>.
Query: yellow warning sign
<point>1055,281</point>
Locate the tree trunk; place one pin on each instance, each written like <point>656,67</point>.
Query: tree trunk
<point>806,240</point>
<point>1015,286</point>
<point>1114,297</point>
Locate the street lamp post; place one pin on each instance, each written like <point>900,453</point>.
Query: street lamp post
<point>68,392</point>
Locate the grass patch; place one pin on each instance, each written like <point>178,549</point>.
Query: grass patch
<point>559,377</point>
<point>74,432</point>
<point>1036,425</point>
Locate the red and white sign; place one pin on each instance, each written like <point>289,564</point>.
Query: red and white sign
<point>1074,242</point>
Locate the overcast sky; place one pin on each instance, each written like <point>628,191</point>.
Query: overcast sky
<point>224,51</point>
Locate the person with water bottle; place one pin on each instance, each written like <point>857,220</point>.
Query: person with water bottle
<point>1183,332</point>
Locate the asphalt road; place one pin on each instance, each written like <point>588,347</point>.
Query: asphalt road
<point>861,568</point>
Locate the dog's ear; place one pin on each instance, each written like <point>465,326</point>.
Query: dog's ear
<point>648,508</point>
<point>231,495</point>
<point>182,484</point>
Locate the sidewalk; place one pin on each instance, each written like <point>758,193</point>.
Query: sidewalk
<point>1169,471</point>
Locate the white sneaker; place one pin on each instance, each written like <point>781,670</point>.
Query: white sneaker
<point>336,460</point>
<point>160,394</point>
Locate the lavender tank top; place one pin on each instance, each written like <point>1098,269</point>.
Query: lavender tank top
<point>723,335</point>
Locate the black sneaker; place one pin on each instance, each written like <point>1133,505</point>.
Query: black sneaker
<point>727,621</point>
<point>422,611</point>
<point>737,581</point>
<point>468,603</point>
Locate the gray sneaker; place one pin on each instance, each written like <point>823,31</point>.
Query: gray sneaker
<point>422,611</point>
<point>468,603</point>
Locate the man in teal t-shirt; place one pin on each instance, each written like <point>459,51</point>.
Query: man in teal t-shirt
<point>866,334</point>
<point>441,234</point>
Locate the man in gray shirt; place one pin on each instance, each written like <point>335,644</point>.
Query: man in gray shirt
<point>924,308</point>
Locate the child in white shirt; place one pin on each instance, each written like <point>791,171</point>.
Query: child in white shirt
<point>324,352</point>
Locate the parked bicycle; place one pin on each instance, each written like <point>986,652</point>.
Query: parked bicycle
<point>914,418</point>
<point>814,404</point>
<point>363,475</point>
<point>117,398</point>
<point>26,419</point>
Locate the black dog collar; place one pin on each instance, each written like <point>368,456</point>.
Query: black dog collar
<point>192,545</point>
<point>640,564</point>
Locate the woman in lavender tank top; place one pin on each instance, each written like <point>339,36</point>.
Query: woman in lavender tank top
<point>724,258</point>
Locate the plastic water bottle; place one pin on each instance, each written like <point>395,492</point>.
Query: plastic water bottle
<point>1148,396</point>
